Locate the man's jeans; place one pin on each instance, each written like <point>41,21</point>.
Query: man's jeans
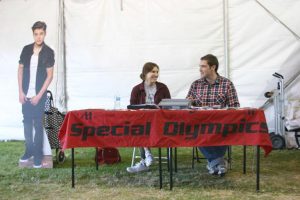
<point>214,153</point>
<point>33,118</point>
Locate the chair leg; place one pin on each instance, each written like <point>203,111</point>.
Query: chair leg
<point>175,160</point>
<point>168,160</point>
<point>133,157</point>
<point>197,155</point>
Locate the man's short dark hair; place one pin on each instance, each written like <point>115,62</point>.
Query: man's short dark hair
<point>211,60</point>
<point>39,25</point>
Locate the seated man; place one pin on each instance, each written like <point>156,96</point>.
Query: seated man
<point>213,90</point>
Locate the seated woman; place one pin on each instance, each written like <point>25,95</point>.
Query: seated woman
<point>150,91</point>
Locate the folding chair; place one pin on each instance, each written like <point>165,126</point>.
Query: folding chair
<point>197,158</point>
<point>134,156</point>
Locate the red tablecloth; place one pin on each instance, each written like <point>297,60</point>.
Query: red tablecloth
<point>164,128</point>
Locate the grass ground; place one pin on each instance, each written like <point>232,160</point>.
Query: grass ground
<point>280,178</point>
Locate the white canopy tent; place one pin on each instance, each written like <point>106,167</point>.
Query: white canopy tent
<point>101,46</point>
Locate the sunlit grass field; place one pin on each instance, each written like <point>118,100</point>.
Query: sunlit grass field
<point>280,177</point>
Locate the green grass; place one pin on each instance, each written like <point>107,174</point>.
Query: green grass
<point>280,178</point>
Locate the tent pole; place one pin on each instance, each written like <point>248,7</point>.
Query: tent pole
<point>225,35</point>
<point>121,5</point>
<point>62,51</point>
<point>278,20</point>
<point>64,55</point>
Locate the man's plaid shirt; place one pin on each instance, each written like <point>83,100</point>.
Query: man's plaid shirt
<point>222,93</point>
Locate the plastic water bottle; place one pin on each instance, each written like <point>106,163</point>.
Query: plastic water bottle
<point>117,103</point>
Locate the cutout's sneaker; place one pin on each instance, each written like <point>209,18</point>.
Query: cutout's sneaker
<point>25,158</point>
<point>138,167</point>
<point>37,166</point>
<point>149,160</point>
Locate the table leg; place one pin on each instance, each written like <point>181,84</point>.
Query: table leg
<point>229,157</point>
<point>97,164</point>
<point>244,159</point>
<point>73,171</point>
<point>171,168</point>
<point>159,168</point>
<point>257,168</point>
<point>193,158</point>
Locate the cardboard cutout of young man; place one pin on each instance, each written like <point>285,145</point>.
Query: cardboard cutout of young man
<point>35,74</point>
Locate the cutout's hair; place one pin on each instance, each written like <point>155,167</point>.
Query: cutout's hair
<point>39,25</point>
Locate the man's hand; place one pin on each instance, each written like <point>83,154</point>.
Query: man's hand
<point>193,101</point>
<point>190,98</point>
<point>22,98</point>
<point>35,100</point>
